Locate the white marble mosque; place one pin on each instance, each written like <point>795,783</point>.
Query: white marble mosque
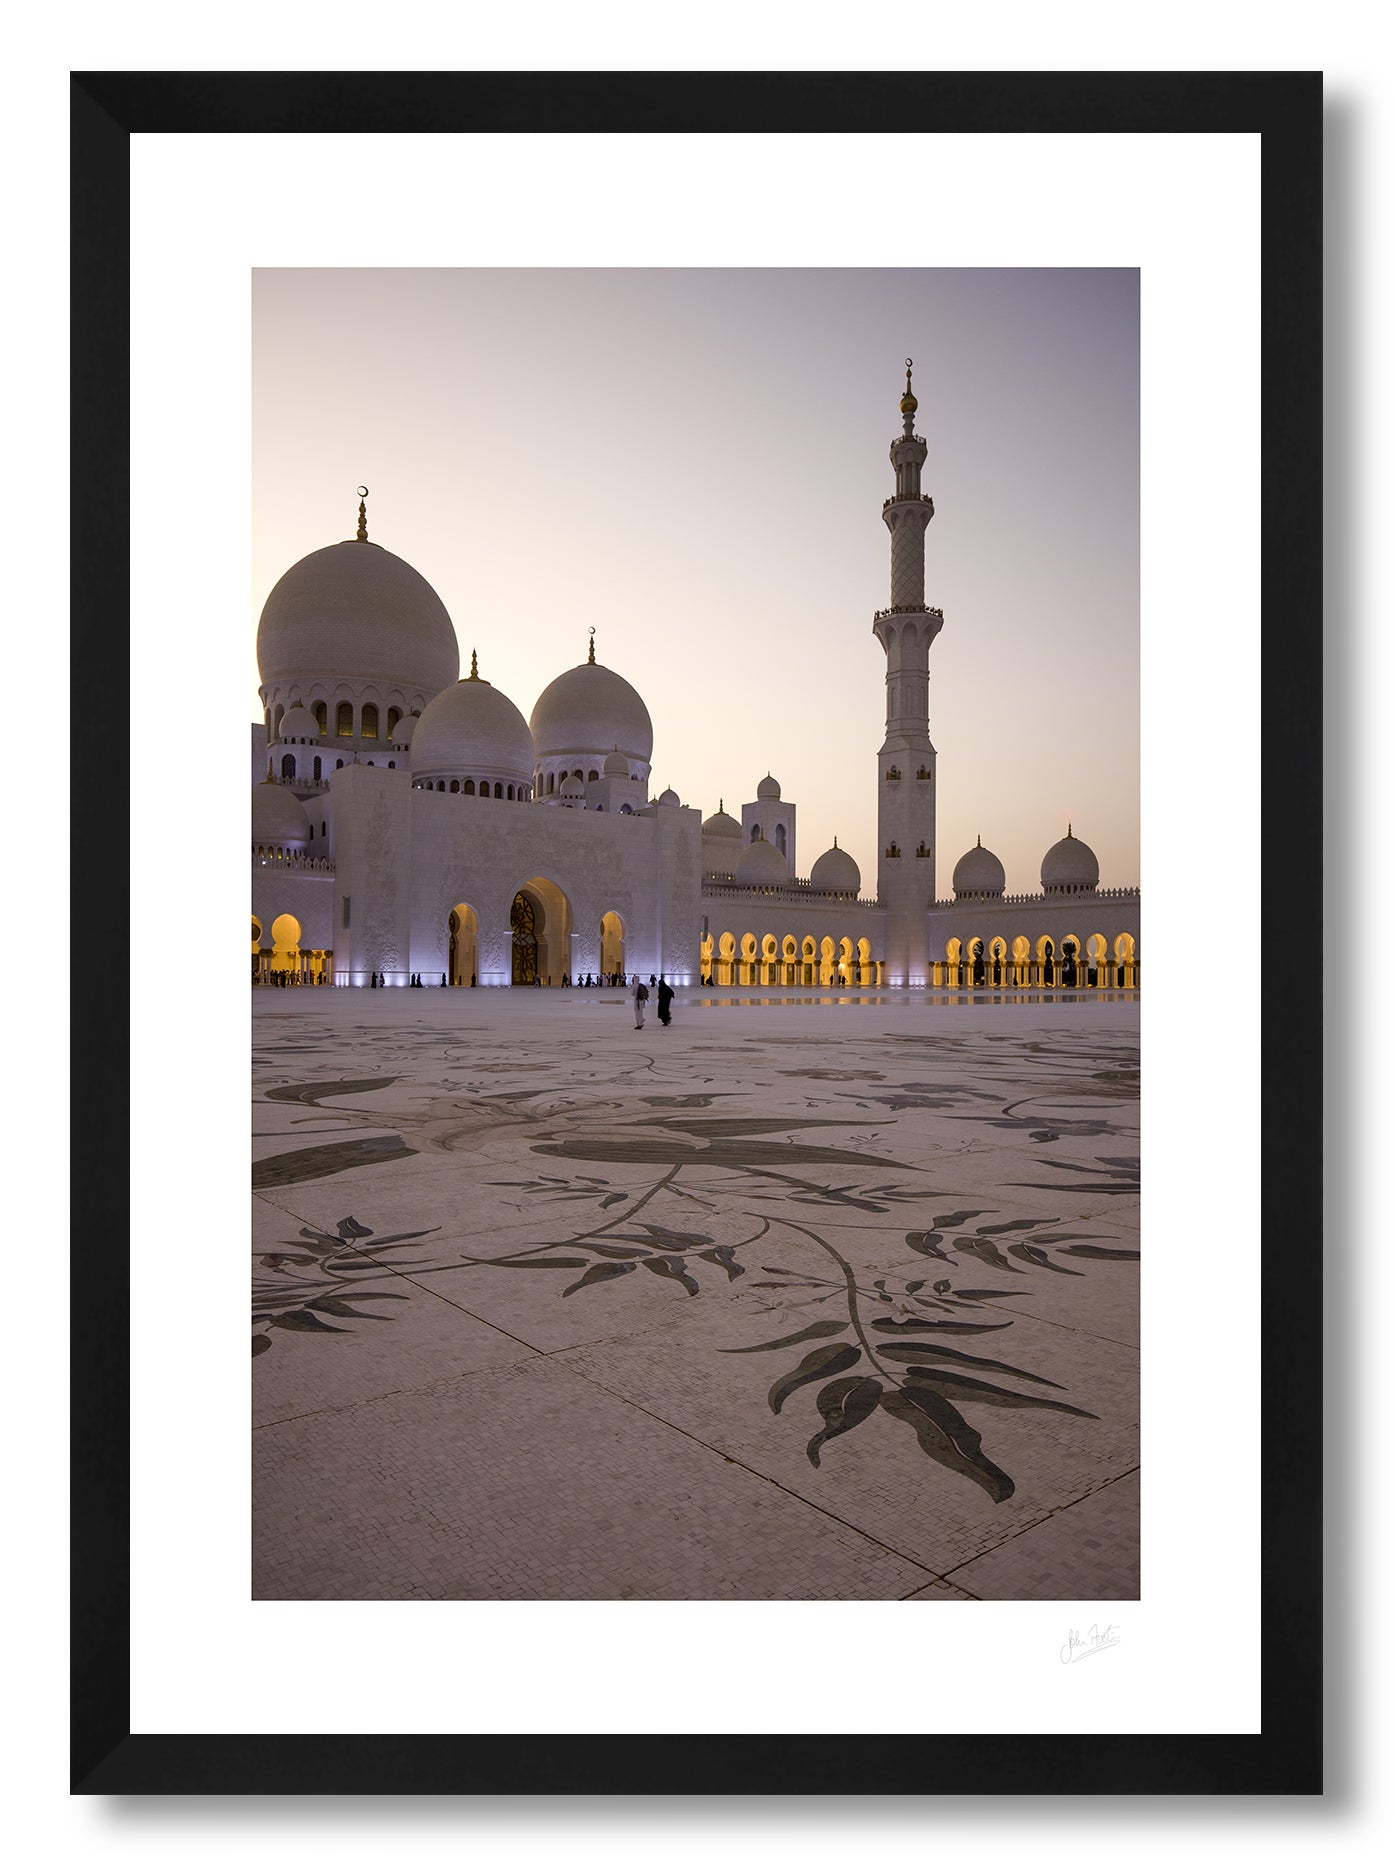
<point>407,821</point>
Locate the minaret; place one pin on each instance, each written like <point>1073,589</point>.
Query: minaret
<point>906,629</point>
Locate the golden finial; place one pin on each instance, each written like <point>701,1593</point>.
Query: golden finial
<point>591,658</point>
<point>909,405</point>
<point>362,534</point>
<point>269,780</point>
<point>473,676</point>
<point>1069,831</point>
<point>980,840</point>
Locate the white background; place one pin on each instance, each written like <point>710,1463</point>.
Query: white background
<point>1199,620</point>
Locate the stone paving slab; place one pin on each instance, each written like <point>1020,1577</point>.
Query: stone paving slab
<point>412,1497</point>
<point>561,1202</point>
<point>1091,1546</point>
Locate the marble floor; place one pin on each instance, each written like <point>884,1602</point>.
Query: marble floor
<point>547,1307</point>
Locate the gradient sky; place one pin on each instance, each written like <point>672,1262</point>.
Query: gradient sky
<point>694,462</point>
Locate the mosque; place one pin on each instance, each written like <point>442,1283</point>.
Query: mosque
<point>375,857</point>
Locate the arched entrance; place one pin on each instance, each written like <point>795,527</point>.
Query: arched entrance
<point>1125,953</point>
<point>866,965</point>
<point>726,961</point>
<point>462,966</point>
<point>540,925</point>
<point>708,953</point>
<point>285,949</point>
<point>611,944</point>
<point>256,950</point>
<point>747,963</point>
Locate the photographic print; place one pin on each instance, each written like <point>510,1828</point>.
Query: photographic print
<point>590,443</point>
<point>695,1075</point>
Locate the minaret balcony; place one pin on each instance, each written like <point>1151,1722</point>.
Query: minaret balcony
<point>908,498</point>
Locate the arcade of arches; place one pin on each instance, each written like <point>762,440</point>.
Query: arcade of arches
<point>996,962</point>
<point>285,962</point>
<point>788,960</point>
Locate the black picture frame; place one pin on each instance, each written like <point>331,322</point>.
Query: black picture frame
<point>1285,109</point>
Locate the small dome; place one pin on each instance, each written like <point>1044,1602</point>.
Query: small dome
<point>1069,865</point>
<point>760,862</point>
<point>403,731</point>
<point>979,873</point>
<point>616,766</point>
<point>354,610</point>
<point>470,729</point>
<point>768,788</point>
<point>836,870</point>
<point>720,825</point>
<point>278,818</point>
<point>572,785</point>
<point>298,724</point>
<point>668,797</point>
<point>590,710</point>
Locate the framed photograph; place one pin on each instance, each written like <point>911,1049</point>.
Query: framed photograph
<point>655,406</point>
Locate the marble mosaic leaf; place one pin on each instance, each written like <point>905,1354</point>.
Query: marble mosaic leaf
<point>819,1331</point>
<point>914,1324</point>
<point>599,1272</point>
<point>914,1352</point>
<point>822,1363</point>
<point>718,1153</point>
<point>958,1385</point>
<point>536,1263</point>
<point>985,1251</point>
<point>314,1093</point>
<point>1097,1251</point>
<point>843,1405</point>
<point>1031,1253</point>
<point>671,1269</point>
<point>946,1437</point>
<point>304,1163</point>
<point>301,1321</point>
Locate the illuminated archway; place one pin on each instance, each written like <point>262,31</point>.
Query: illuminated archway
<point>1125,953</point>
<point>747,969</point>
<point>825,961</point>
<point>1021,960</point>
<point>844,961</point>
<point>726,960</point>
<point>285,945</point>
<point>611,944</point>
<point>865,962</point>
<point>708,953</point>
<point>462,964</point>
<point>810,958</point>
<point>788,956</point>
<point>953,959</point>
<point>769,949</point>
<point>257,961</point>
<point>540,924</point>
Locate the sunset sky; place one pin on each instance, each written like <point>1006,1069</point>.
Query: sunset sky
<point>694,461</point>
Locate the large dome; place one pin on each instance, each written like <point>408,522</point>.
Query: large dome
<point>1069,865</point>
<point>591,710</point>
<point>979,873</point>
<point>836,870</point>
<point>353,610</point>
<point>721,825</point>
<point>761,862</point>
<point>278,818</point>
<point>472,729</point>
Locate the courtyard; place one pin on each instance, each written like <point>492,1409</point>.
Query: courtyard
<point>545,1307</point>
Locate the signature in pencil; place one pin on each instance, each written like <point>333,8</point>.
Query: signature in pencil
<point>1080,1644</point>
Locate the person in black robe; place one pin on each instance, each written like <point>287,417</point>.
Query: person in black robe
<point>665,1001</point>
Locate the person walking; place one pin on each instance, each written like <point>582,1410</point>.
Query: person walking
<point>639,993</point>
<point>665,1001</point>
